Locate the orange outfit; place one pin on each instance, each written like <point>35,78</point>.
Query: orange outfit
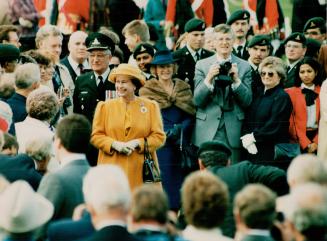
<point>114,120</point>
<point>299,116</point>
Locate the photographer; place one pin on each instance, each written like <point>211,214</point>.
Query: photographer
<point>222,91</point>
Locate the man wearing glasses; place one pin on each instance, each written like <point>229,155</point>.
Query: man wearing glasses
<point>222,92</point>
<point>295,49</point>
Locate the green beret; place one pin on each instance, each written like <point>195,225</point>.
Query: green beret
<point>261,40</point>
<point>296,37</point>
<point>99,41</point>
<point>194,24</point>
<point>8,52</point>
<point>316,22</point>
<point>143,48</point>
<point>214,146</point>
<point>238,15</point>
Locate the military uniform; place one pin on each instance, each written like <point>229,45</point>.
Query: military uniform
<point>292,70</point>
<point>240,50</point>
<point>184,59</point>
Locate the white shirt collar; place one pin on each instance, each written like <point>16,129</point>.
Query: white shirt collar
<point>304,86</point>
<point>193,233</point>
<point>293,64</point>
<point>221,60</point>
<point>253,65</point>
<point>74,65</point>
<point>71,157</point>
<point>104,76</point>
<point>192,51</point>
<point>261,232</point>
<point>236,45</point>
<point>106,223</point>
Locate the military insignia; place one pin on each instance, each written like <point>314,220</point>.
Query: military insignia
<point>142,49</point>
<point>95,42</point>
<point>312,24</point>
<point>264,41</point>
<point>244,16</point>
<point>298,37</point>
<point>203,26</point>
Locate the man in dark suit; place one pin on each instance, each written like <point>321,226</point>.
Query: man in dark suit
<point>239,21</point>
<point>193,51</point>
<point>295,49</point>
<point>64,187</point>
<point>259,48</point>
<point>92,87</point>
<point>76,61</point>
<point>255,212</point>
<point>215,157</point>
<point>107,196</point>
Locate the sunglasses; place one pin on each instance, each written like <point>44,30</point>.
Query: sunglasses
<point>270,74</point>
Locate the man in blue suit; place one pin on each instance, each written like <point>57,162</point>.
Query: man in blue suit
<point>222,91</point>
<point>64,187</point>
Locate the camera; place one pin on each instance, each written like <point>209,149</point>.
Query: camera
<point>224,79</point>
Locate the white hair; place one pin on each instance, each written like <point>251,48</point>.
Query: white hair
<point>26,75</point>
<point>39,148</point>
<point>106,187</point>
<point>306,168</point>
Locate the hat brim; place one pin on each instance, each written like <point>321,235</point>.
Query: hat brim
<point>126,71</point>
<point>163,62</point>
<point>97,48</point>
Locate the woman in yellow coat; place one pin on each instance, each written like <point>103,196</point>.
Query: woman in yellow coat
<point>120,125</point>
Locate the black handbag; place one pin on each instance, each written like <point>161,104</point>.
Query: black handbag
<point>188,155</point>
<point>287,151</point>
<point>151,172</point>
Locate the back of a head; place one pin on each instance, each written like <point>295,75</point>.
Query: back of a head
<point>214,153</point>
<point>7,85</point>
<point>42,104</point>
<point>204,200</point>
<point>74,132</point>
<point>6,116</point>
<point>308,210</point>
<point>26,75</point>
<point>138,27</point>
<point>106,188</point>
<point>255,205</point>
<point>306,168</point>
<point>149,203</point>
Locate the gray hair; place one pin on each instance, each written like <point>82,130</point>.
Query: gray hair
<point>106,187</point>
<point>276,64</point>
<point>46,31</point>
<point>224,28</point>
<point>39,148</point>
<point>306,168</point>
<point>308,210</point>
<point>42,104</point>
<point>26,75</point>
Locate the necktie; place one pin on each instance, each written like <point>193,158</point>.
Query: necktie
<point>81,68</point>
<point>310,96</point>
<point>288,69</point>
<point>239,51</point>
<point>101,89</point>
<point>197,56</point>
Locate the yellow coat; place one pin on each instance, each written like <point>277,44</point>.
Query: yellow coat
<point>114,120</point>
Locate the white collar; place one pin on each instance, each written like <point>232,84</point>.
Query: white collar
<point>222,60</point>
<point>260,232</point>
<point>293,64</point>
<point>106,223</point>
<point>74,64</point>
<point>70,158</point>
<point>193,52</point>
<point>104,76</point>
<point>304,86</point>
<point>194,233</point>
<point>253,65</point>
<point>236,45</point>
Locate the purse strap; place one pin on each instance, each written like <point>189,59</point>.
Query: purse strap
<point>181,141</point>
<point>147,154</point>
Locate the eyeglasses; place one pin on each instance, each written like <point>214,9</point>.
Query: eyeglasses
<point>270,74</point>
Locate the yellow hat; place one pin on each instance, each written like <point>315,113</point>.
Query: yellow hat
<point>127,69</point>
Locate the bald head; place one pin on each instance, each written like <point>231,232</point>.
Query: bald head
<point>77,47</point>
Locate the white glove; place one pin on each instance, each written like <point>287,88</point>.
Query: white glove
<point>247,140</point>
<point>252,149</point>
<point>132,144</point>
<point>25,23</point>
<point>121,147</point>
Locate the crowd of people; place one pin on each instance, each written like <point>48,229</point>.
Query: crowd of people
<point>82,107</point>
